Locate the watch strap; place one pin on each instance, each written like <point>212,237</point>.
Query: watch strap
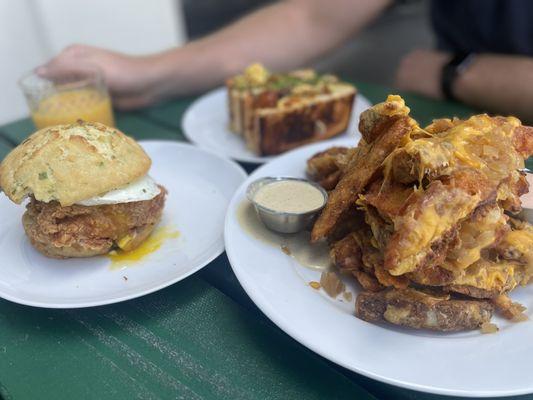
<point>451,70</point>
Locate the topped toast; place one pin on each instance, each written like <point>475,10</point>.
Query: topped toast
<point>277,112</point>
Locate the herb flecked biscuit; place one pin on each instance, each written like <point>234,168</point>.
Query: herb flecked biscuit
<point>70,163</point>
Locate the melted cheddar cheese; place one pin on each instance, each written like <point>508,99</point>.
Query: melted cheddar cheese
<point>476,143</point>
<point>422,227</point>
<point>474,236</point>
<point>521,241</point>
<point>487,275</point>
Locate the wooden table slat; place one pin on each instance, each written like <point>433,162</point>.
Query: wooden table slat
<point>188,341</point>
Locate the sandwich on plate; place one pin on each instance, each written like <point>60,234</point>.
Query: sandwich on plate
<point>88,190</point>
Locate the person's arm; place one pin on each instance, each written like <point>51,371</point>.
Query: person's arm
<point>493,82</point>
<point>284,35</point>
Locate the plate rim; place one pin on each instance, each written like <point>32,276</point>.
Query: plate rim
<point>310,344</point>
<point>257,160</point>
<point>218,250</point>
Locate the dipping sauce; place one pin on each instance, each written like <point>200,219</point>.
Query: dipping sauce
<point>296,245</point>
<point>289,196</point>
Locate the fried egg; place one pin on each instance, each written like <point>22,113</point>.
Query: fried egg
<point>139,190</point>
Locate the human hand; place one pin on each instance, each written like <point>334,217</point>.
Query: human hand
<point>130,79</point>
<point>420,72</point>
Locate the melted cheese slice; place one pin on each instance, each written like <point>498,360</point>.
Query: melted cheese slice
<point>499,276</point>
<point>478,143</point>
<point>475,235</point>
<point>424,225</point>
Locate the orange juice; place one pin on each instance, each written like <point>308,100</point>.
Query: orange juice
<point>69,106</point>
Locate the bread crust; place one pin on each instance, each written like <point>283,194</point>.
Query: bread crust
<point>70,163</point>
<point>415,309</point>
<point>278,130</point>
<point>269,128</point>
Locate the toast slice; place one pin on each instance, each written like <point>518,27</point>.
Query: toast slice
<point>278,112</point>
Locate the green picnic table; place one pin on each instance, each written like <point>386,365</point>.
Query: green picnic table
<point>201,338</point>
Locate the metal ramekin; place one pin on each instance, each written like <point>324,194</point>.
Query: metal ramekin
<point>283,222</point>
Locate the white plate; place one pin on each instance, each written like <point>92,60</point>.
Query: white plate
<point>200,185</point>
<point>462,364</point>
<point>206,124</point>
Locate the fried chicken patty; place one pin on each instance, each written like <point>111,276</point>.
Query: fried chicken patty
<point>81,231</point>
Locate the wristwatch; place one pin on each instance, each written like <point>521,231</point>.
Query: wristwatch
<point>451,70</point>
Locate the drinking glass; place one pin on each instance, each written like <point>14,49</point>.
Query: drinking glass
<point>68,97</point>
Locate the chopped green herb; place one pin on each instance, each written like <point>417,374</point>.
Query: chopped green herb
<point>144,190</point>
<point>43,176</point>
<point>101,164</point>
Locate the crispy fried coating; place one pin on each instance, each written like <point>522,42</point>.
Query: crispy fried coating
<point>346,254</point>
<point>523,140</point>
<point>368,281</point>
<point>415,309</point>
<point>488,279</point>
<point>326,167</point>
<point>359,172</point>
<point>509,309</point>
<point>388,198</point>
<point>485,227</point>
<point>431,274</point>
<point>379,118</point>
<point>441,125</point>
<point>471,291</point>
<point>420,218</point>
<point>80,231</point>
<point>517,245</point>
<point>428,225</point>
<point>488,259</point>
<point>355,254</point>
<point>352,220</point>
<point>494,145</point>
<point>510,190</point>
<point>382,228</point>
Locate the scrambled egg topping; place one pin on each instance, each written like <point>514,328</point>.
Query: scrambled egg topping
<point>257,74</point>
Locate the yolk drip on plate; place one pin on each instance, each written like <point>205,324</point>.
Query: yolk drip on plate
<point>120,258</point>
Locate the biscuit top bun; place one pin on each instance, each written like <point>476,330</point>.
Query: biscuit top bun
<point>70,163</point>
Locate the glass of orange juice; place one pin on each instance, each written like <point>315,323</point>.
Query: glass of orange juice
<point>68,97</point>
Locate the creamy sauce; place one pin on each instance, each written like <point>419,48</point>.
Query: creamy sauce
<point>289,196</point>
<point>527,199</point>
<point>296,245</point>
<point>121,259</point>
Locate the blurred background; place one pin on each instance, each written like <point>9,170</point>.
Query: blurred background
<point>32,31</point>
